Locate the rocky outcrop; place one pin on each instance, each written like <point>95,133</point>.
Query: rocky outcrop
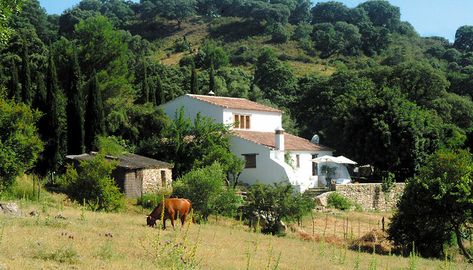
<point>11,209</point>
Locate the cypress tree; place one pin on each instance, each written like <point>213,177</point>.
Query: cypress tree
<point>15,91</point>
<point>160,97</point>
<point>75,114</point>
<point>39,100</point>
<point>145,85</point>
<point>52,132</point>
<point>194,82</point>
<point>212,79</point>
<point>152,92</point>
<point>94,117</point>
<point>27,94</point>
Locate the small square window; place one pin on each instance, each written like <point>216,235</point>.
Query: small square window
<point>250,160</point>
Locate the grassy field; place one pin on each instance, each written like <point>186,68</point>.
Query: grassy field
<point>64,236</point>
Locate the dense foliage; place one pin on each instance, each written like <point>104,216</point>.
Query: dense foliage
<point>206,189</point>
<point>20,144</point>
<point>436,205</point>
<point>269,205</point>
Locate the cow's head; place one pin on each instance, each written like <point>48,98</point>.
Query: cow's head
<point>150,221</point>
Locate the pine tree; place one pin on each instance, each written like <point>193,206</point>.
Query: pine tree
<point>194,82</point>
<point>27,94</point>
<point>212,79</point>
<point>160,95</point>
<point>53,130</point>
<point>75,114</point>
<point>15,90</point>
<point>94,117</point>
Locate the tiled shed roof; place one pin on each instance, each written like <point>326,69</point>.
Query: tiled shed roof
<point>128,161</point>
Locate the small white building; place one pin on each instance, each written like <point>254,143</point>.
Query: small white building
<point>270,154</point>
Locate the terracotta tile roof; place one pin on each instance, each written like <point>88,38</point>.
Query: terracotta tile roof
<point>291,142</point>
<point>128,161</point>
<point>234,103</point>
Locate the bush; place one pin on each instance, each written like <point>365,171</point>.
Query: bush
<point>302,32</point>
<point>279,34</point>
<point>271,204</point>
<point>181,45</point>
<point>91,183</point>
<point>151,200</point>
<point>202,186</point>
<point>227,203</point>
<point>338,201</point>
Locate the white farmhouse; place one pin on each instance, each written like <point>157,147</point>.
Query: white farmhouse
<point>270,154</point>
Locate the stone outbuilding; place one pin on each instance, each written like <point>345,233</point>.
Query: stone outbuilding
<point>136,175</point>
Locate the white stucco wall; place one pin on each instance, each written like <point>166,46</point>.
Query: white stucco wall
<point>267,170</point>
<point>192,107</point>
<point>303,174</point>
<point>260,121</point>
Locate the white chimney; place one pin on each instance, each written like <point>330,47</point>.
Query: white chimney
<point>279,136</point>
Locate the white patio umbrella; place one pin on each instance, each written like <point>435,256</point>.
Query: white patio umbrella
<point>344,160</point>
<point>325,158</point>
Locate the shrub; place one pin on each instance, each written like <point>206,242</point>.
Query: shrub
<point>151,200</point>
<point>227,203</point>
<point>91,183</point>
<point>302,32</point>
<point>279,34</point>
<point>338,201</point>
<point>181,45</point>
<point>202,186</point>
<point>270,204</point>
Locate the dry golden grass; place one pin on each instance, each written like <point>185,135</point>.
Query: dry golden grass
<point>91,240</point>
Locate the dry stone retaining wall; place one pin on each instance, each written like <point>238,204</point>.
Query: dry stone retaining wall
<point>370,196</point>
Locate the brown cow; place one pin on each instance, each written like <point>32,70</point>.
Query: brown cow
<point>173,208</point>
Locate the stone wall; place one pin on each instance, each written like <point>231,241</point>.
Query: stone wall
<point>152,181</point>
<point>370,196</point>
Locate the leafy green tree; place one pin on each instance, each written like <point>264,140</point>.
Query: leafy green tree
<point>92,184</point>
<point>436,204</point>
<point>279,34</point>
<point>210,53</point>
<point>382,13</point>
<point>20,144</point>
<point>275,203</point>
<point>330,12</point>
<point>32,13</point>
<point>145,90</point>
<point>202,186</point>
<point>464,38</point>
<point>340,37</point>
<point>275,79</point>
<point>269,13</point>
<point>176,9</point>
<point>420,82</point>
<point>302,31</point>
<point>94,116</point>
<point>300,13</point>
<point>7,9</point>
<point>183,142</point>
<point>75,109</point>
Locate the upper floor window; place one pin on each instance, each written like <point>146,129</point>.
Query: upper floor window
<point>241,121</point>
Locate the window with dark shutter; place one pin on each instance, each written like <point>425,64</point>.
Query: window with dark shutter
<point>250,160</point>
